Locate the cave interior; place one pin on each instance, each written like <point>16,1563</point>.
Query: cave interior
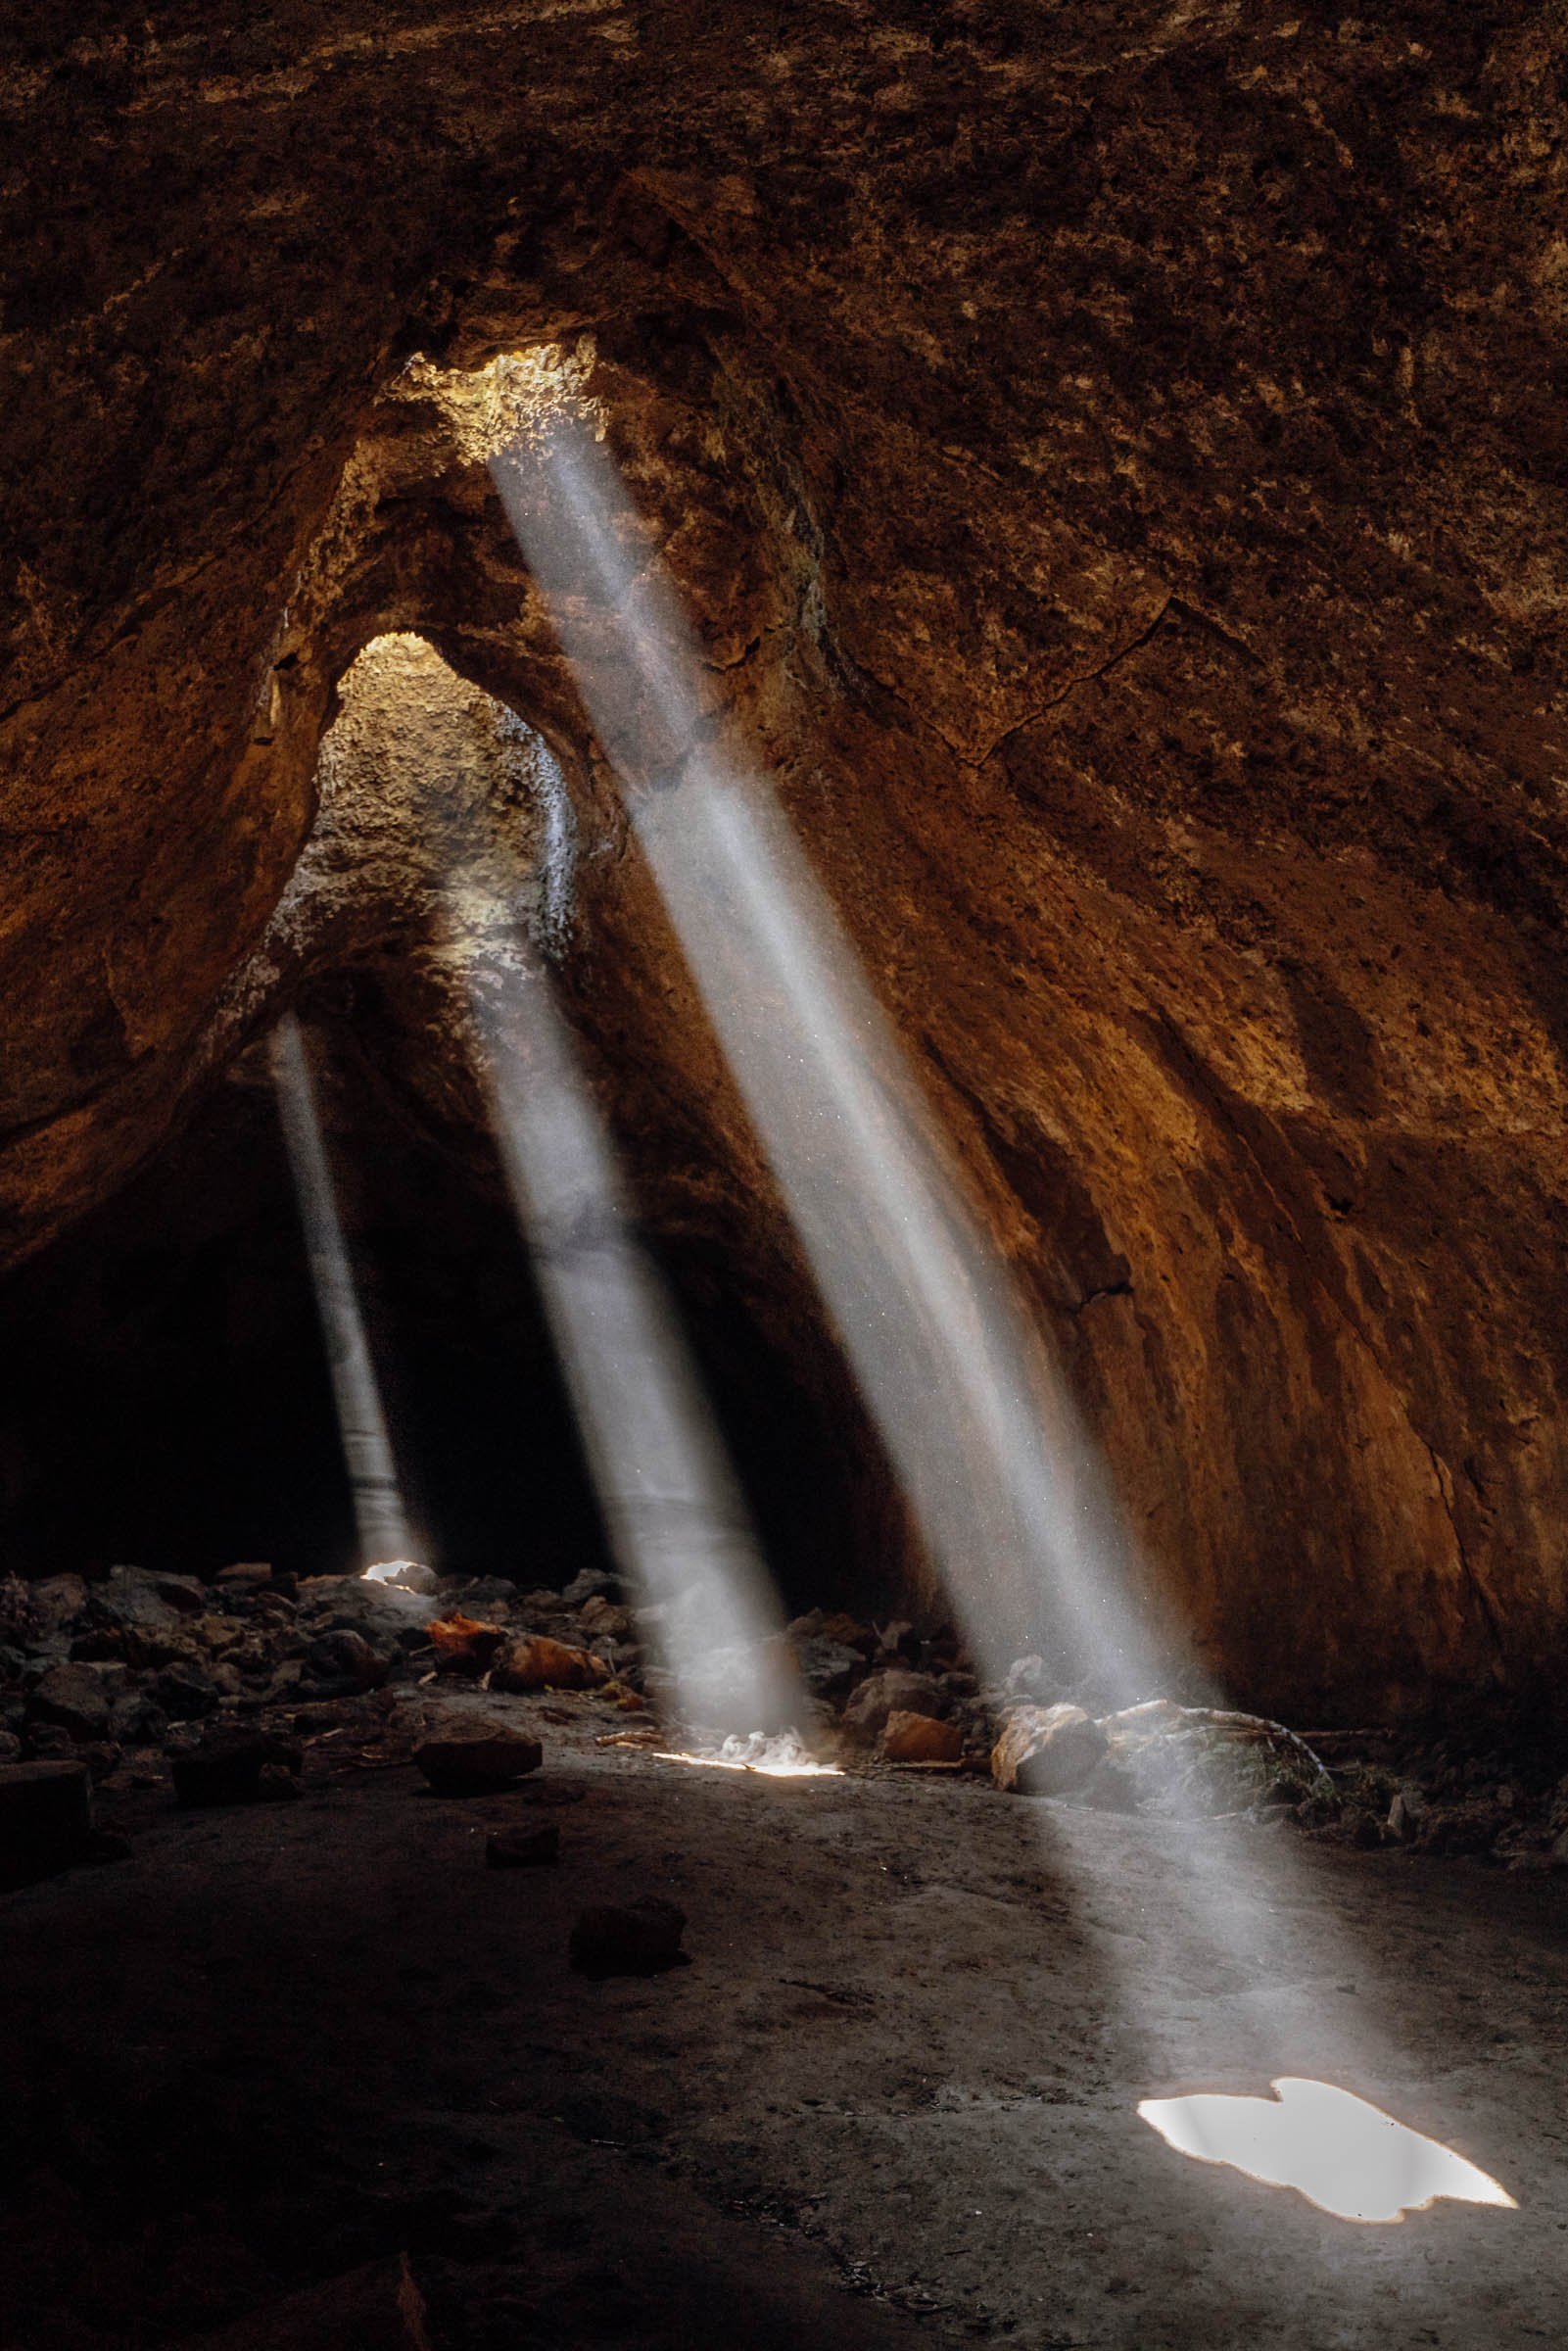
<point>783,1210</point>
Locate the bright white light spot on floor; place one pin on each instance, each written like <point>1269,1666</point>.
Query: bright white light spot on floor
<point>407,1574</point>
<point>1338,2151</point>
<point>778,1758</point>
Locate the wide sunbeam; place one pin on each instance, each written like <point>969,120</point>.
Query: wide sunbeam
<point>1009,1493</point>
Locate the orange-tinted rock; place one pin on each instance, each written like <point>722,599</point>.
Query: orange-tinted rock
<point>465,1644</point>
<point>540,1664</point>
<point>920,1739</point>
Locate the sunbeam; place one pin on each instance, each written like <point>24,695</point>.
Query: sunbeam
<point>380,1517</point>
<point>1012,1503</point>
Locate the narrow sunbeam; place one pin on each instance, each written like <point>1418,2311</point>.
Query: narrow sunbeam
<point>676,1519</point>
<point>1010,1501</point>
<point>381,1521</point>
<point>1340,2152</point>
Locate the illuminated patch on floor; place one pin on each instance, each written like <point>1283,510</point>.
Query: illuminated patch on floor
<point>1342,2154</point>
<point>779,1757</point>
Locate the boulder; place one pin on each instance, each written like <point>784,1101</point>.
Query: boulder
<point>640,1939</point>
<point>56,1600</point>
<point>45,1819</point>
<point>1406,1815</point>
<point>184,1692</point>
<point>74,1697</point>
<point>465,1757</point>
<point>1046,1751</point>
<point>607,1618</point>
<point>893,1691</point>
<point>341,1663</point>
<point>920,1739</point>
<point>540,1664</point>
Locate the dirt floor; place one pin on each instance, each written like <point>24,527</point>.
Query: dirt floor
<point>891,2098</point>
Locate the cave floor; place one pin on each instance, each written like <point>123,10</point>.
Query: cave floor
<point>890,2100</point>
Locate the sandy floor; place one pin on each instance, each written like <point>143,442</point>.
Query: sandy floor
<point>892,2099</point>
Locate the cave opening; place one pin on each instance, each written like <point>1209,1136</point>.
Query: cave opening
<point>175,1408</point>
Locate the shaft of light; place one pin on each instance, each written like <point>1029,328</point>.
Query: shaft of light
<point>1011,1501</point>
<point>676,1518</point>
<point>378,1508</point>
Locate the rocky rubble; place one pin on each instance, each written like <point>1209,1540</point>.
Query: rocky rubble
<point>138,1679</point>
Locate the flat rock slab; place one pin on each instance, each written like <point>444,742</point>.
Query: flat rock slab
<point>466,1758</point>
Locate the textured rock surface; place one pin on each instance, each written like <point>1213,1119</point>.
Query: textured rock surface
<point>1116,463</point>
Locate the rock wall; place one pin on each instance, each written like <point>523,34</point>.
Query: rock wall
<point>1114,460</point>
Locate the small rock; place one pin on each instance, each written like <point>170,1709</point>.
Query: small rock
<point>919,1738</point>
<point>1046,1751</point>
<point>58,1600</point>
<point>1030,1679</point>
<point>895,1691</point>
<point>45,1819</point>
<point>607,1618</point>
<point>523,1849</point>
<point>74,1698</point>
<point>540,1664</point>
<point>227,1767</point>
<point>1406,1815</point>
<point>247,1575</point>
<point>468,1756</point>
<point>184,1693</point>
<point>642,1938</point>
<point>1366,1831</point>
